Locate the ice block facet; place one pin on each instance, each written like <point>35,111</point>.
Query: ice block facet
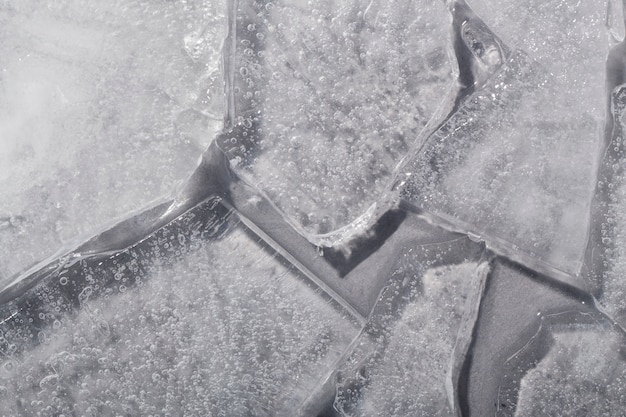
<point>569,39</point>
<point>199,318</point>
<point>604,261</point>
<point>103,109</point>
<point>333,94</point>
<point>513,166</point>
<point>584,373</point>
<point>410,375</point>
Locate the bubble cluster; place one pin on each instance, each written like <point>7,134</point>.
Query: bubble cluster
<point>227,330</point>
<point>343,95</point>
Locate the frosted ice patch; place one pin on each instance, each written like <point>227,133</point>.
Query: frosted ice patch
<point>584,373</point>
<point>568,38</point>
<point>410,378</point>
<point>330,97</point>
<point>101,112</point>
<point>513,165</point>
<point>229,328</point>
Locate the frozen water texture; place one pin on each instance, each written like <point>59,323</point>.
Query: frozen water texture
<point>615,19</point>
<point>606,248</point>
<point>339,90</point>
<point>107,107</point>
<point>514,166</point>
<point>409,377</point>
<point>195,331</point>
<point>568,39</point>
<point>583,374</point>
<point>103,109</point>
<point>517,162</point>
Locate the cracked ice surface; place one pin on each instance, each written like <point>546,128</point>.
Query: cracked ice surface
<point>341,89</point>
<point>104,107</point>
<point>510,167</point>
<point>205,332</point>
<point>107,107</point>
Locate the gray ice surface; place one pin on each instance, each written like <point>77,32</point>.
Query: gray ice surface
<point>105,107</point>
<point>321,208</point>
<point>513,166</point>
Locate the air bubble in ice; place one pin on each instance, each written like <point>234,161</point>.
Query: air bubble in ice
<point>49,381</point>
<point>295,142</point>
<point>9,366</point>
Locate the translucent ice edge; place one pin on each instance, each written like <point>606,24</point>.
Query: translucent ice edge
<point>509,250</point>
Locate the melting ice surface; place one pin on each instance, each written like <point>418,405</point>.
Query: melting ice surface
<point>447,160</point>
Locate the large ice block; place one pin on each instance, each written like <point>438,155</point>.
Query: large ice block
<point>104,108</point>
<point>201,317</point>
<point>329,96</point>
<point>514,166</point>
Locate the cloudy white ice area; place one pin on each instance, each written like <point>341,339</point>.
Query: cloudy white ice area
<point>410,378</point>
<point>517,162</point>
<point>209,334</point>
<point>104,107</point>
<point>583,374</point>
